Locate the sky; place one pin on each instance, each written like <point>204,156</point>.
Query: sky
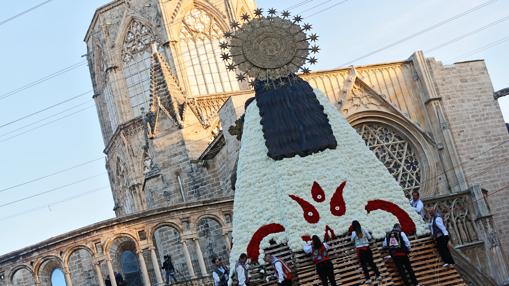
<point>51,38</point>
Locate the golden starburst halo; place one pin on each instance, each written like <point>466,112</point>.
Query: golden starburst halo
<point>269,47</point>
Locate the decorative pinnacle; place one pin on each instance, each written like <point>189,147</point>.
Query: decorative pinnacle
<point>285,14</point>
<point>297,18</point>
<point>313,37</point>
<point>305,70</point>
<point>258,12</point>
<point>272,12</point>
<point>225,56</point>
<point>315,49</point>
<point>245,17</point>
<point>307,27</point>
<point>312,60</point>
<point>228,34</point>
<point>223,45</point>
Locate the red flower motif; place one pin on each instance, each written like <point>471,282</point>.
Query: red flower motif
<point>253,248</point>
<point>310,213</point>
<point>329,233</point>
<point>407,225</point>
<point>337,203</point>
<point>317,193</point>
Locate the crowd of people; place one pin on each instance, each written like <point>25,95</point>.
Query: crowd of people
<point>396,243</point>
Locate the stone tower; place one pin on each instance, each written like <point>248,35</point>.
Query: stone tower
<point>159,81</point>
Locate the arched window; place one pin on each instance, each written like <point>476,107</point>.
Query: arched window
<point>136,57</point>
<point>57,277</point>
<point>212,241</point>
<point>395,152</point>
<point>199,44</point>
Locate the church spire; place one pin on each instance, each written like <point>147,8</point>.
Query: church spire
<point>165,93</point>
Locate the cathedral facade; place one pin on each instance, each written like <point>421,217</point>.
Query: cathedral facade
<point>169,113</point>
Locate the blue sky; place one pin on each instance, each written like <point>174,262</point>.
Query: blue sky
<point>51,38</point>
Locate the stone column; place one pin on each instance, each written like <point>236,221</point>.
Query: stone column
<point>155,264</point>
<point>496,261</point>
<point>188,259</point>
<point>111,272</point>
<point>143,267</point>
<point>37,280</point>
<point>98,273</point>
<point>227,240</point>
<point>67,276</point>
<point>201,261</point>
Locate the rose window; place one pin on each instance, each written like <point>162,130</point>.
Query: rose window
<point>395,152</point>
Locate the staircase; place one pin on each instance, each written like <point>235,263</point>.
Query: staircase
<point>425,260</point>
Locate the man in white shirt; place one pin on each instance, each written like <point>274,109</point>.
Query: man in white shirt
<point>441,236</point>
<point>241,270</point>
<point>282,276</point>
<point>417,204</point>
<point>220,274</point>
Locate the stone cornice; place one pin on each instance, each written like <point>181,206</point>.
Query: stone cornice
<point>98,11</point>
<point>111,223</point>
<point>124,126</point>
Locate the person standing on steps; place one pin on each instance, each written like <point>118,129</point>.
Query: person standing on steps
<point>282,272</point>
<point>242,271</point>
<point>169,269</point>
<point>417,203</point>
<point>319,252</point>
<point>221,273</point>
<point>361,237</point>
<point>441,236</point>
<point>398,245</point>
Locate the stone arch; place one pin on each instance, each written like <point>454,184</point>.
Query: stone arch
<point>21,275</point>
<point>417,142</point>
<point>80,262</point>
<point>46,267</point>
<point>211,239</point>
<point>123,249</point>
<point>209,216</point>
<point>134,57</point>
<point>167,238</point>
<point>124,28</point>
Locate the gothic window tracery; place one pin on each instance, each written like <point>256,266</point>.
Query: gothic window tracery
<point>136,57</point>
<point>395,152</point>
<point>199,44</point>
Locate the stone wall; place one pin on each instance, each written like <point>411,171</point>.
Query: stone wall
<point>479,132</point>
<point>86,255</point>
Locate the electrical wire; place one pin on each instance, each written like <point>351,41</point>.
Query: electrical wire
<point>425,30</point>
<point>47,123</point>
<point>326,9</point>
<point>51,174</point>
<point>43,119</point>
<point>24,12</point>
<point>44,109</point>
<point>86,193</point>
<point>482,48</point>
<point>471,33</point>
<point>51,190</point>
<point>42,79</point>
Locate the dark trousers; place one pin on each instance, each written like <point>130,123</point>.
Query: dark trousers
<point>285,283</point>
<point>366,258</point>
<point>443,249</point>
<point>326,273</point>
<point>172,275</point>
<point>404,268</point>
